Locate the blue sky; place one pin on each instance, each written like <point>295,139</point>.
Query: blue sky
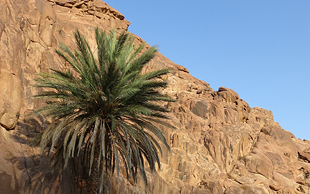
<point>260,49</point>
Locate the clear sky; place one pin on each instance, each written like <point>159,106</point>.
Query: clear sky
<point>260,49</point>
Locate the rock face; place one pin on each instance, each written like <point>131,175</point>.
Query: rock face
<point>220,144</point>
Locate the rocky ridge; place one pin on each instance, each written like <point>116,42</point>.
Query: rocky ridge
<point>221,145</point>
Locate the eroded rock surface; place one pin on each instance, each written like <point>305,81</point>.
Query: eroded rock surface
<point>220,144</point>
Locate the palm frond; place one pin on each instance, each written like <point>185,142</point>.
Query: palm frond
<point>105,112</point>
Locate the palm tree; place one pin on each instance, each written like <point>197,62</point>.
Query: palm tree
<point>104,111</point>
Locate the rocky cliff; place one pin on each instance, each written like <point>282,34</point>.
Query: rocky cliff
<point>220,144</point>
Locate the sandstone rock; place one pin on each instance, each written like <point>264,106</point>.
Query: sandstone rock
<point>181,68</point>
<point>213,187</point>
<point>1,27</point>
<point>285,182</point>
<point>259,163</point>
<point>228,145</point>
<point>11,97</point>
<point>200,108</point>
<point>12,57</point>
<point>304,156</point>
<point>220,144</point>
<point>227,95</point>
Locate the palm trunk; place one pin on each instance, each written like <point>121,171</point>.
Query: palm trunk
<point>94,177</point>
<point>93,181</point>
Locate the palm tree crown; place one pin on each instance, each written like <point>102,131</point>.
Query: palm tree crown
<point>104,109</point>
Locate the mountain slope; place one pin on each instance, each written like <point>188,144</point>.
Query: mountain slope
<point>221,145</point>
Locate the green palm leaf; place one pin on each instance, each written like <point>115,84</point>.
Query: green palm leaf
<point>105,112</point>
